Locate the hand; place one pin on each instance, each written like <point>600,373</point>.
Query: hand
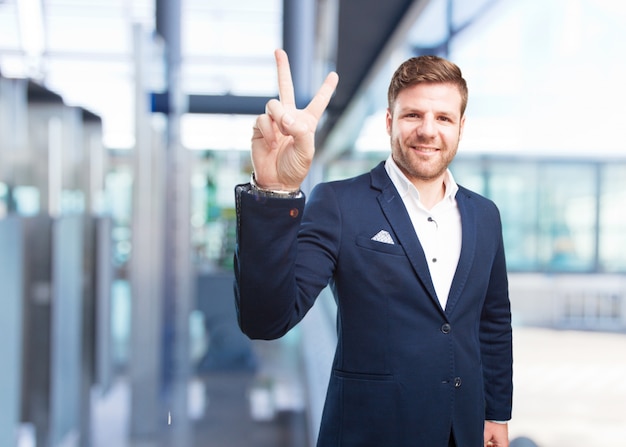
<point>496,435</point>
<point>283,138</point>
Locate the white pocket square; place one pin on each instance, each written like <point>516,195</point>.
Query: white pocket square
<point>384,237</point>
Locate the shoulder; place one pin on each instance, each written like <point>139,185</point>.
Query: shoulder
<point>471,198</point>
<point>374,180</point>
<point>344,184</point>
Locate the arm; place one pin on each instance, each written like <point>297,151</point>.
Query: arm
<point>496,339</point>
<point>264,263</point>
<point>284,256</point>
<point>268,299</point>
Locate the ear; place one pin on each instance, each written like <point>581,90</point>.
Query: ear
<point>388,119</point>
<point>461,127</point>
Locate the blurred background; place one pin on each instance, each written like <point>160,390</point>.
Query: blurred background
<point>125,125</point>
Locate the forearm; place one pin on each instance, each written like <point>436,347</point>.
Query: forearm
<point>497,360</point>
<point>285,255</point>
<point>496,339</point>
<point>265,260</point>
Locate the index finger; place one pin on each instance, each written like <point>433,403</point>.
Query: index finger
<point>285,83</point>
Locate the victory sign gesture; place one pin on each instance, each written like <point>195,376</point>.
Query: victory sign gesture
<point>283,138</point>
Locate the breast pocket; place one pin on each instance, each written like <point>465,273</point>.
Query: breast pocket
<point>381,247</point>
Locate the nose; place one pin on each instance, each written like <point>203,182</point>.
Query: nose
<point>426,127</point>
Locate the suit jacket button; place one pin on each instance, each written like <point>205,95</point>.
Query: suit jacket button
<point>457,382</point>
<point>446,328</point>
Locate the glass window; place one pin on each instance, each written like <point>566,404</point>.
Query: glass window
<point>470,173</point>
<point>551,217</point>
<point>215,175</point>
<point>514,187</point>
<point>567,217</point>
<point>4,200</point>
<point>612,236</point>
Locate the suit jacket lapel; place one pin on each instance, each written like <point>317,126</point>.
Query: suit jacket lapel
<point>468,248</point>
<point>395,212</point>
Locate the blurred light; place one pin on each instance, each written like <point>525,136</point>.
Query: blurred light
<point>30,17</point>
<point>217,132</point>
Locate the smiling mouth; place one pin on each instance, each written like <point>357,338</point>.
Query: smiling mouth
<point>424,149</point>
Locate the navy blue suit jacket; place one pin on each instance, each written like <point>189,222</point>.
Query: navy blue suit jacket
<point>406,372</point>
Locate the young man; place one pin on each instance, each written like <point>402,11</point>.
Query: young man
<point>415,261</point>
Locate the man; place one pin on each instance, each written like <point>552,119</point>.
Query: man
<point>416,264</point>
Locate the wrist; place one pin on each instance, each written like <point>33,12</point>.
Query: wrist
<point>279,193</point>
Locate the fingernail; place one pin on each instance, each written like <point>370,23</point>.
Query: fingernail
<point>287,119</point>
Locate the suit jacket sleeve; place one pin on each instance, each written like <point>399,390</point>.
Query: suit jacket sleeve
<point>273,292</point>
<point>496,339</point>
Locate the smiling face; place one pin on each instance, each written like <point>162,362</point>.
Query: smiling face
<point>425,124</point>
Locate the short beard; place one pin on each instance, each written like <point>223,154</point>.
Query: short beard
<point>411,168</point>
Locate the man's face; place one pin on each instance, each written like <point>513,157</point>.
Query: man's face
<point>425,126</point>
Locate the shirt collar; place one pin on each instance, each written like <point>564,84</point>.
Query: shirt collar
<point>405,187</point>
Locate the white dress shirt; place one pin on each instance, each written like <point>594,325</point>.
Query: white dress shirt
<point>438,229</point>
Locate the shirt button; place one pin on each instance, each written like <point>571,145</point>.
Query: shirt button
<point>457,382</point>
<point>434,259</point>
<point>446,328</point>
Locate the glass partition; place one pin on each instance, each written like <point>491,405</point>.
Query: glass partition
<point>567,217</point>
<point>558,215</point>
<point>516,189</point>
<point>612,234</point>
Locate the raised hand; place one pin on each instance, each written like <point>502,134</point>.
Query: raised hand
<point>283,138</point>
